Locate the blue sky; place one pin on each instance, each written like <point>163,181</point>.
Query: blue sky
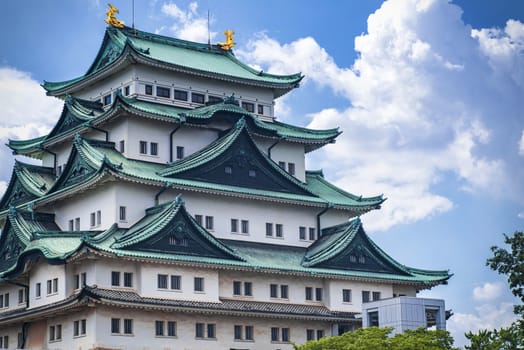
<point>428,94</point>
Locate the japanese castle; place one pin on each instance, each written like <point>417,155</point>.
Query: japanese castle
<point>172,210</point>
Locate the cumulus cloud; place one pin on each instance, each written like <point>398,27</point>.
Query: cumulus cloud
<point>521,144</point>
<point>429,100</point>
<point>488,291</point>
<point>187,24</point>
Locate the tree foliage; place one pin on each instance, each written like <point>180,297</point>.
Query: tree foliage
<point>374,338</point>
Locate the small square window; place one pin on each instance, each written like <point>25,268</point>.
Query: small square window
<point>199,219</point>
<point>309,293</point>
<point>149,89</point>
<point>163,92</point>
<point>199,284</point>
<point>71,225</point>
<point>128,279</point>
<point>234,225</point>
<point>248,334</point>
<point>179,152</point>
<point>38,290</point>
<point>318,294</point>
<point>273,290</point>
<point>162,281</point>
<point>291,168</point>
<point>209,223</point>
<point>197,98</point>
<point>245,226</point>
<point>275,334</point>
<point>115,278</point>
<point>107,100</point>
<point>285,335</point>
<point>269,229</point>
<point>252,173</point>
<point>142,147</point>
<point>176,282</point>
<point>199,330</point>
<point>250,107</point>
<point>346,295</point>
<point>260,109</point>
<point>302,232</point>
<point>154,148</point>
<point>211,330</point>
<point>181,95</point>
<point>228,170</point>
<point>279,228</point>
<point>284,291</point>
<point>282,165</point>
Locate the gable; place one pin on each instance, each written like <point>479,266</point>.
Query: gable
<point>10,247</point>
<point>76,171</point>
<point>16,194</point>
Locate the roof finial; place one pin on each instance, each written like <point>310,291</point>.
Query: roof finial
<point>228,45</point>
<point>111,19</point>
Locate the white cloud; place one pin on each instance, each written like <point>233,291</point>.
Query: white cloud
<point>427,102</point>
<point>187,24</point>
<point>486,316</point>
<point>489,291</point>
<point>521,144</point>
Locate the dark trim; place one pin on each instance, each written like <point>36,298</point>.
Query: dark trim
<point>282,138</point>
<point>328,206</point>
<point>182,120</point>
<point>164,188</point>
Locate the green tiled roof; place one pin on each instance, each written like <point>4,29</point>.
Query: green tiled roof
<point>193,58</point>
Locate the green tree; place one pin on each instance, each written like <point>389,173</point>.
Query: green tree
<point>374,338</point>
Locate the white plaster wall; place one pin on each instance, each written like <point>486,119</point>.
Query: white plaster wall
<point>136,198</point>
<point>403,290</point>
<point>223,209</point>
<point>192,139</point>
<point>69,341</point>
<point>286,152</point>
<point>334,293</point>
<point>12,333</point>
<point>99,273</point>
<point>118,130</point>
<point>147,280</point>
<point>12,290</point>
<point>40,273</point>
<point>109,85</point>
<point>335,217</point>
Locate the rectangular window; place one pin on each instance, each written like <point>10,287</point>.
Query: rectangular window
<point>58,171</point>
<point>234,225</point>
<point>209,222</point>
<point>273,290</point>
<point>269,229</point>
<point>214,100</point>
<point>238,332</point>
<point>285,335</point>
<point>346,295</point>
<point>4,342</point>
<point>71,225</point>
<point>260,109</point>
<point>176,282</point>
<point>149,89</point>
<point>211,330</point>
<point>51,333</point>
<point>318,294</point>
<point>179,152</point>
<point>49,287</point>
<point>302,232</point>
<point>171,328</point>
<point>320,333</point>
<point>279,228</point>
<point>92,219</point>
<point>237,288</point>
<point>98,217</point>
<point>181,95</point>
<point>199,284</point>
<point>115,278</point>
<point>79,328</point>
<point>250,107</point>
<point>310,334</point>
<point>128,279</point>
<point>198,219</point>
<point>115,326</point>
<point>199,330</point>
<point>284,291</point>
<point>153,148</point>
<point>38,290</point>
<point>159,328</point>
<point>291,168</point>
<point>365,296</point>
<point>162,281</point>
<point>1,301</point>
<point>21,296</point>
<point>312,234</point>
<point>282,165</point>
<point>122,213</point>
<point>55,285</point>
<point>122,146</point>
<point>275,334</point>
<point>376,296</point>
<point>77,224</point>
<point>126,91</point>
<point>107,100</point>
<point>128,326</point>
<point>77,281</point>
<point>248,288</point>
<point>248,332</point>
<point>245,226</point>
<point>163,92</point>
<point>197,98</point>
<point>142,147</point>
<point>309,293</point>
<point>83,279</point>
<point>6,300</point>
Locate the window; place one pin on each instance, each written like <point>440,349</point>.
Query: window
<point>201,328</point>
<point>346,295</point>
<point>38,290</point>
<point>52,286</point>
<point>373,319</point>
<point>142,147</point>
<point>273,290</point>
<point>115,326</point>
<point>77,281</point>
<point>98,217</point>
<point>310,334</point>
<point>180,95</point>
<point>128,326</point>
<point>280,335</point>
<point>279,228</point>
<point>198,219</point>
<point>214,100</point>
<point>122,213</point>
<point>209,222</point>
<point>284,291</point>
<point>248,288</point>
<point>77,224</point>
<point>149,89</point>
<point>4,342</point>
<point>302,233</point>
<point>115,278</point>
<point>309,293</point>
<point>107,100</point>
<point>238,332</point>
<point>252,173</point>
<point>312,234</point>
<point>237,288</point>
<point>55,332</point>
<point>92,221</point>
<point>126,91</point>
<point>58,171</point>
<point>260,109</point>
<point>243,332</point>
<point>4,300</point>
<point>365,296</point>
<point>282,165</point>
<point>318,294</point>
<point>171,328</point>
<point>320,333</point>
<point>285,334</point>
<point>128,279</point>
<point>176,282</point>
<point>122,146</point>
<point>291,168</point>
<point>49,287</point>
<point>199,284</point>
<point>197,98</point>
<point>269,229</point>
<point>250,107</point>
<point>275,334</point>
<point>83,279</point>
<point>376,296</point>
<point>245,226</point>
<point>159,328</point>
<point>162,281</point>
<point>234,225</point>
<point>163,92</point>
<point>71,225</point>
<point>79,327</point>
<point>21,296</point>
<point>55,285</point>
<point>228,170</point>
<point>154,148</point>
<point>179,152</point>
